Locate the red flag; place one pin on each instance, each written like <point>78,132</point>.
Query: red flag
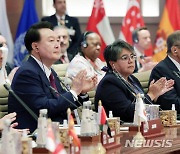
<point>72,132</point>
<point>102,115</point>
<point>59,149</point>
<point>170,22</point>
<point>99,23</point>
<point>131,21</point>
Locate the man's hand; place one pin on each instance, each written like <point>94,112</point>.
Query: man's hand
<point>77,83</point>
<point>147,64</point>
<point>89,84</point>
<point>82,84</point>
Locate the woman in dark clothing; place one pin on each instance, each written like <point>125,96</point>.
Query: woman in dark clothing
<point>118,89</point>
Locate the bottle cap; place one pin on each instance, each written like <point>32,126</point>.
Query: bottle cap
<point>173,107</point>
<point>110,114</point>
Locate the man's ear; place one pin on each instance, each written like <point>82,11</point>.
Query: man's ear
<point>174,50</point>
<point>35,46</point>
<point>112,64</point>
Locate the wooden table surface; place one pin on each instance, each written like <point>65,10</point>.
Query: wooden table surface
<point>171,134</point>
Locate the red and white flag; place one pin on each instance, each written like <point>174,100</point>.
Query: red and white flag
<point>99,23</point>
<point>51,145</point>
<point>131,21</point>
<point>102,118</point>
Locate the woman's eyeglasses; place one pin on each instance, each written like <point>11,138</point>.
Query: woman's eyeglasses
<point>127,57</point>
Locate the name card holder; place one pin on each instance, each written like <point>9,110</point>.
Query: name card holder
<point>155,129</point>
<point>110,142</point>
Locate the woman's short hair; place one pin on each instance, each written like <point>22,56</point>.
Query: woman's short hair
<point>112,51</point>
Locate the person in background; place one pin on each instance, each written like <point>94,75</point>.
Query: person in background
<point>6,71</point>
<point>37,84</point>
<point>170,68</point>
<point>142,40</point>
<point>63,35</point>
<point>72,23</point>
<point>118,88</point>
<point>87,58</point>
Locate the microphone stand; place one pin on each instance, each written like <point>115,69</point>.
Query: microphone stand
<point>75,110</point>
<point>20,101</point>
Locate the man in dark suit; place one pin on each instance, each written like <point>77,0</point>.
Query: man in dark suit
<point>170,68</point>
<point>64,37</point>
<point>61,18</point>
<point>37,84</point>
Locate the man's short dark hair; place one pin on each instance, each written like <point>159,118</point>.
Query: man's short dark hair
<point>112,51</point>
<point>135,37</point>
<point>33,34</point>
<point>173,40</point>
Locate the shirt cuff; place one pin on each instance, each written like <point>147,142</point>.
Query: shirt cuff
<point>75,97</point>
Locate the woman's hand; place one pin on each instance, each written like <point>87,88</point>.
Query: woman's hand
<point>159,87</point>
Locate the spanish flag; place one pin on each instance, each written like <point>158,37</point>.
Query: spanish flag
<point>169,23</point>
<point>72,132</point>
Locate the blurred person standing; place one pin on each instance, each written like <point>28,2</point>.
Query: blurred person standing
<point>64,37</point>
<point>142,40</point>
<point>72,23</point>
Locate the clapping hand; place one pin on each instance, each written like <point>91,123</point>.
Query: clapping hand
<point>82,84</point>
<point>160,87</point>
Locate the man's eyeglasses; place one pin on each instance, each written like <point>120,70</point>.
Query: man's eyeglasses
<point>178,46</point>
<point>127,57</point>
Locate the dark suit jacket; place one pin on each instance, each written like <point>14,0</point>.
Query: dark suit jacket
<point>166,68</point>
<point>72,23</point>
<point>32,86</point>
<point>116,97</point>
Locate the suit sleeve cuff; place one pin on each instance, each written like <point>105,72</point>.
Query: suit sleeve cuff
<point>75,97</point>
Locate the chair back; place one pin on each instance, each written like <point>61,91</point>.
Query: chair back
<point>3,101</point>
<point>60,69</point>
<point>143,77</point>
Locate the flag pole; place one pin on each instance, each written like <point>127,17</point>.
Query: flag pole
<point>139,135</point>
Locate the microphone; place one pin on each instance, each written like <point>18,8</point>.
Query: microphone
<point>20,101</point>
<point>124,82</point>
<point>177,73</point>
<point>55,91</point>
<point>130,88</point>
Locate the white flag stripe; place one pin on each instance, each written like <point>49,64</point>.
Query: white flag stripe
<point>105,31</point>
<point>140,112</point>
<point>50,144</point>
<point>5,29</point>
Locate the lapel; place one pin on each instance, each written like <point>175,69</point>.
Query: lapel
<point>42,75</point>
<point>54,20</point>
<point>170,64</point>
